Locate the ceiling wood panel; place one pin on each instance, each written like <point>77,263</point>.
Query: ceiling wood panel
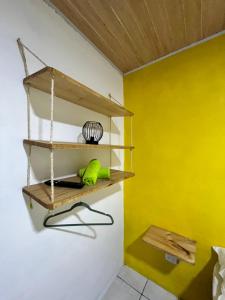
<point>192,20</point>
<point>113,24</point>
<point>124,12</point>
<point>213,16</point>
<point>164,23</point>
<point>132,33</point>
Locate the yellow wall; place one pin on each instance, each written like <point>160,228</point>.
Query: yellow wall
<point>179,135</point>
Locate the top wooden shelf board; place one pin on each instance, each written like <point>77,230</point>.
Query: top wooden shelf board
<point>75,92</point>
<point>171,243</point>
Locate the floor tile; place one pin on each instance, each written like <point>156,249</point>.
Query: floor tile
<point>133,278</point>
<point>155,292</point>
<point>119,290</point>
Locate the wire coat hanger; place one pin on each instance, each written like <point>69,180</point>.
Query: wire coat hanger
<point>78,224</point>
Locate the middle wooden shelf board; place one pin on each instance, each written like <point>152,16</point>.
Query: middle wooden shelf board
<point>42,192</point>
<point>71,145</point>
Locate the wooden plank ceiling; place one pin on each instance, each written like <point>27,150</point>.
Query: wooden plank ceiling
<point>132,33</point>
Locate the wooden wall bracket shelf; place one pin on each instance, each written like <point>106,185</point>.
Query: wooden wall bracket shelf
<point>171,243</point>
<point>73,91</point>
<point>42,192</point>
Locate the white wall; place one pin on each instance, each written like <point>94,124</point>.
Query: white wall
<point>38,263</point>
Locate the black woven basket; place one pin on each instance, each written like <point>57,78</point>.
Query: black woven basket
<point>92,132</point>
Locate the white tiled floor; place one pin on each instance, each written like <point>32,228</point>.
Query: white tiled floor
<point>133,278</point>
<point>119,290</point>
<point>130,285</point>
<point>155,292</point>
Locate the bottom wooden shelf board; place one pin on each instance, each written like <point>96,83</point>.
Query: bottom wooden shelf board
<point>42,192</point>
<point>171,243</point>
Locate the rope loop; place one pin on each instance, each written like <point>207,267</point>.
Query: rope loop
<point>21,47</point>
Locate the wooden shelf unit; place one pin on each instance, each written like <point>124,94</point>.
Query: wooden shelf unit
<point>73,91</point>
<point>70,145</point>
<point>171,243</point>
<point>42,192</point>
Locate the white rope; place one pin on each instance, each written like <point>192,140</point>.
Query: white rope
<point>22,52</point>
<point>131,160</point>
<point>28,166</point>
<point>51,136</point>
<point>29,137</point>
<point>31,52</point>
<point>110,141</point>
<point>131,143</point>
<point>131,130</point>
<point>27,89</point>
<point>28,112</point>
<point>21,49</point>
<point>29,173</point>
<point>52,174</point>
<point>112,98</point>
<point>52,108</point>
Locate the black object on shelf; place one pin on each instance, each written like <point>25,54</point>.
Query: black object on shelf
<point>68,184</point>
<point>92,132</point>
